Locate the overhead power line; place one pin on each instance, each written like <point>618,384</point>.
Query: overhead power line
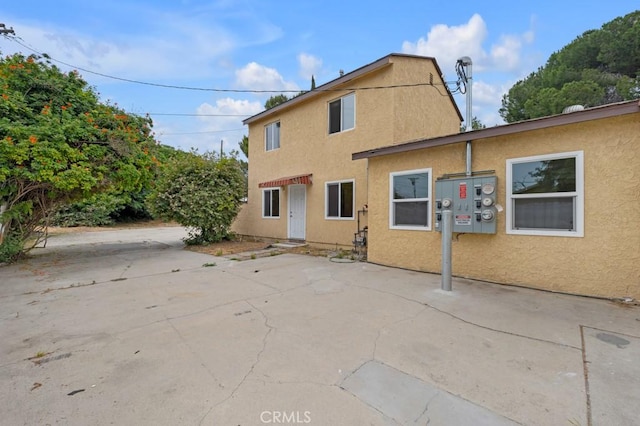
<point>198,133</point>
<point>198,115</point>
<point>207,89</point>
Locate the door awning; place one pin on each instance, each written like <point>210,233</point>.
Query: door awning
<point>291,180</point>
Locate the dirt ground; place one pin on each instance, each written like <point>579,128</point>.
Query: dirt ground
<point>225,248</point>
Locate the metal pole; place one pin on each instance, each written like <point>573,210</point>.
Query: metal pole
<point>469,118</point>
<point>447,216</point>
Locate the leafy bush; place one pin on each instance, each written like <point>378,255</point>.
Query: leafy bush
<point>103,209</point>
<point>200,192</point>
<point>11,248</point>
<point>94,211</point>
<point>134,209</point>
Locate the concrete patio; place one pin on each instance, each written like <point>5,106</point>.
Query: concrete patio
<point>126,327</point>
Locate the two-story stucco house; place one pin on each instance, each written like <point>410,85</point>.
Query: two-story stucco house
<point>563,190</point>
<point>303,184</point>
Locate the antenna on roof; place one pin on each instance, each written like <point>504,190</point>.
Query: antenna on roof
<point>341,73</point>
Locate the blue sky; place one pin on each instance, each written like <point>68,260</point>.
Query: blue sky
<point>257,45</point>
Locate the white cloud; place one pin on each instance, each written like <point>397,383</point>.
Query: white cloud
<point>229,106</point>
<point>309,65</point>
<point>506,54</point>
<point>186,50</point>
<point>487,100</point>
<point>487,93</point>
<point>229,130</point>
<point>448,43</point>
<point>206,133</point>
<point>529,36</point>
<point>254,76</point>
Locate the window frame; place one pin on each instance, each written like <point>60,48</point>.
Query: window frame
<point>270,190</point>
<point>392,201</point>
<point>269,130</point>
<point>577,196</point>
<point>342,113</point>
<point>326,199</point>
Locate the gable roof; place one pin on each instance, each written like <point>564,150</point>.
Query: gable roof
<point>596,113</point>
<point>334,85</point>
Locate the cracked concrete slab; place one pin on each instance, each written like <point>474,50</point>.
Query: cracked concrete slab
<point>126,327</point>
<point>494,369</point>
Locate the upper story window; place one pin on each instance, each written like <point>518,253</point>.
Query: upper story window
<point>339,200</point>
<point>410,195</point>
<point>342,114</point>
<point>545,195</point>
<point>272,136</point>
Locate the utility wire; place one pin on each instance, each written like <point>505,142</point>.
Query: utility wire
<point>205,89</point>
<point>462,78</point>
<point>198,133</point>
<point>198,115</point>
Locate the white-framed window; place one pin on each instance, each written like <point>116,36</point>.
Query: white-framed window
<point>545,195</point>
<point>271,203</point>
<point>342,114</point>
<point>410,200</point>
<point>272,136</point>
<point>340,199</point>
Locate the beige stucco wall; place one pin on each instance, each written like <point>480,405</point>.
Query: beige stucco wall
<point>383,117</point>
<point>605,262</point>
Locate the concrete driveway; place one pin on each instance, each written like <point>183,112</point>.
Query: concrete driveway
<point>126,327</point>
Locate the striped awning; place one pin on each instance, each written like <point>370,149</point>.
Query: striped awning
<point>291,180</point>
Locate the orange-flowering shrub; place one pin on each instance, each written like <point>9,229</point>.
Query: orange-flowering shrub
<point>59,146</point>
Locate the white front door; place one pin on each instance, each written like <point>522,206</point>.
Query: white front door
<point>297,211</point>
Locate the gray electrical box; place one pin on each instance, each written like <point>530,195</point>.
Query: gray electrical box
<point>472,199</point>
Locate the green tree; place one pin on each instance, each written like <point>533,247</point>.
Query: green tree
<point>111,207</point>
<point>597,68</point>
<point>244,146</point>
<point>59,143</point>
<point>476,124</point>
<point>275,100</point>
<point>201,192</point>
<point>244,165</point>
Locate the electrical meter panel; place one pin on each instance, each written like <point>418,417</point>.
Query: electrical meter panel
<point>472,199</point>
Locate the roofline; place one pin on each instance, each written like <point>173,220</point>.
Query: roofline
<point>596,113</point>
<point>331,85</point>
